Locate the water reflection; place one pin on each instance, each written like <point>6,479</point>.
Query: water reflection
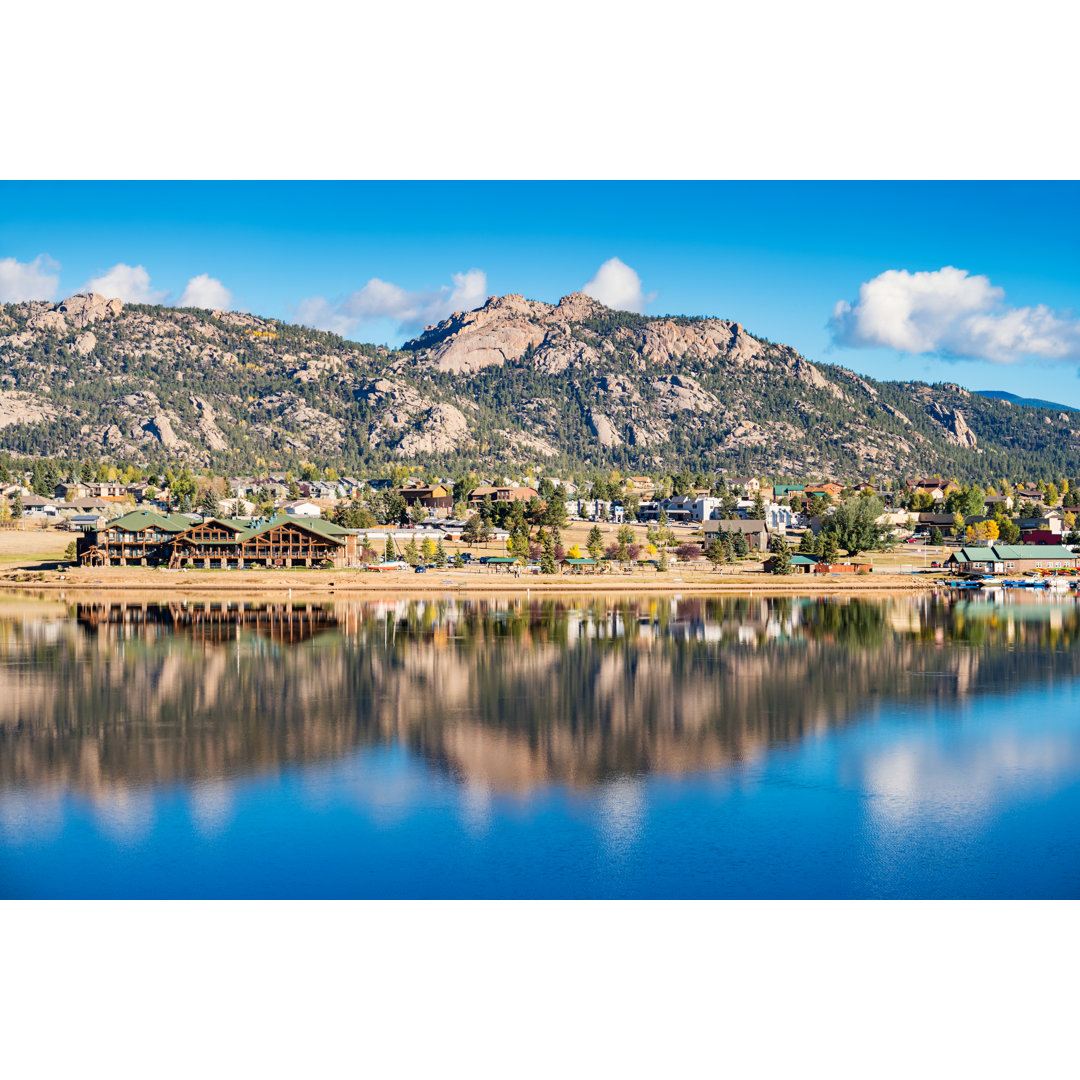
<point>501,695</point>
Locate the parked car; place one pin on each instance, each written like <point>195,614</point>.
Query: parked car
<point>935,566</point>
<point>420,570</point>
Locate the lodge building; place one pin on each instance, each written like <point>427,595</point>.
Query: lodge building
<point>144,538</point>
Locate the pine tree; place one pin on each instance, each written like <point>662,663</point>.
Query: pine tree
<point>595,542</point>
<point>209,503</point>
<point>389,555</point>
<point>440,555</point>
<point>781,555</point>
<point>547,559</point>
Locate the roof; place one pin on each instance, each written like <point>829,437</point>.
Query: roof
<point>738,525</point>
<point>580,562</point>
<point>977,554</point>
<point>138,520</point>
<point>1034,551</point>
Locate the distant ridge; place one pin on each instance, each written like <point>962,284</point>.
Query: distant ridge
<point>1013,399</point>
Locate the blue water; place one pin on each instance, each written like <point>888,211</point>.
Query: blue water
<point>915,795</point>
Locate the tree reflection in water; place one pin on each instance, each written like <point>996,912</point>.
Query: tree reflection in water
<point>504,693</point>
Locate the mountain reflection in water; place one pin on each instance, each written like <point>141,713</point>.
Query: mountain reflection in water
<point>501,694</point>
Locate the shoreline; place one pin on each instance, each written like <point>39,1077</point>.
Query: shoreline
<point>130,580</point>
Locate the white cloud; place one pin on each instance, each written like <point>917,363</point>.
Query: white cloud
<point>954,314</point>
<point>618,286</point>
<point>412,310</point>
<point>130,283</point>
<point>204,291</point>
<point>35,280</point>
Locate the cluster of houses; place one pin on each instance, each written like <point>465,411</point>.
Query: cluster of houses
<point>150,532</point>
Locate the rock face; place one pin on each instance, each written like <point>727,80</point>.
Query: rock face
<point>161,428</point>
<point>603,429</point>
<point>78,311</point>
<point>957,431</point>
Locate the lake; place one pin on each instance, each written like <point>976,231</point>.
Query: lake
<point>718,747</point>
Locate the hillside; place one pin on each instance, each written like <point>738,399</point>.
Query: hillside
<point>1015,399</point>
<point>573,385</point>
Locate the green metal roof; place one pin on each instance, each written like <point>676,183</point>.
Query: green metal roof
<point>978,554</point>
<point>138,520</point>
<point>1033,551</point>
<point>580,562</point>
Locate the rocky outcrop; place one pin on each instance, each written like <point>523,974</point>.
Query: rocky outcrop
<point>160,427</point>
<point>441,430</point>
<point>85,344</point>
<point>18,407</point>
<point>208,428</point>
<point>955,426</point>
<point>680,393</point>
<point>78,311</point>
<point>604,429</point>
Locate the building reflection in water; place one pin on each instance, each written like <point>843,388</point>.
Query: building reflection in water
<point>503,695</point>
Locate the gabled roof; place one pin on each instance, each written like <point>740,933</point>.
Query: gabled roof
<point>326,529</point>
<point>1033,551</point>
<point>138,520</point>
<point>977,554</point>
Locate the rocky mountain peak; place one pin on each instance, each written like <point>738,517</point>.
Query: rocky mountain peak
<point>78,311</point>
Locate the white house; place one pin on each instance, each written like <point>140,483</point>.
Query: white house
<point>302,508</point>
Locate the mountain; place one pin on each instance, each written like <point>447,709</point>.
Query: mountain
<point>1013,399</point>
<point>570,386</point>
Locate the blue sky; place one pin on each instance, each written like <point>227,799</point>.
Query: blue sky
<point>777,257</point>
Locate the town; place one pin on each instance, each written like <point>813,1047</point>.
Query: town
<point>132,516</point>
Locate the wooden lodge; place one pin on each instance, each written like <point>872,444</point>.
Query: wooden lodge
<point>148,539</point>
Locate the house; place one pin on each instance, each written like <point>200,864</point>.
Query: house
<point>999,502</point>
<point>785,491</point>
<point>67,492</point>
<point>1052,523</point>
<point>86,522</point>
<point>112,491</point>
<point>780,518</point>
<point>502,493</point>
<point>301,508</point>
<point>37,507</point>
<point>827,490</point>
<point>1011,559</point>
<point>746,484</point>
<point>933,486</point>
<point>928,520</point>
<point>430,496</point>
<point>756,531</point>
<point>638,485</point>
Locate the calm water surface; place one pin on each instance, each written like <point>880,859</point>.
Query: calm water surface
<point>614,747</point>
